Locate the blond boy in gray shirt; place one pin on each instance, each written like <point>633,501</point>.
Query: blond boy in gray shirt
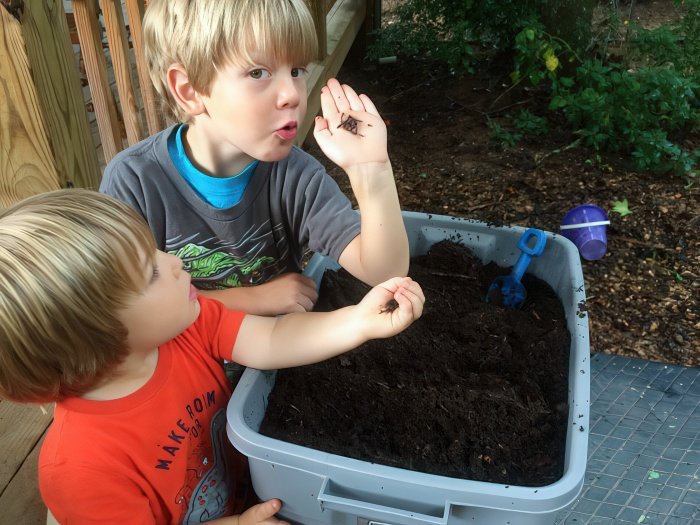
<point>225,189</point>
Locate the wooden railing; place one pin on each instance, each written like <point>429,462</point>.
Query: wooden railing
<point>116,122</point>
<point>47,142</point>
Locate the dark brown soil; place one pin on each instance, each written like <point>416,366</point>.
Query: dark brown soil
<point>470,390</point>
<point>644,295</point>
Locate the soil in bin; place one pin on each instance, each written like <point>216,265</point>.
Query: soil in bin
<point>470,390</point>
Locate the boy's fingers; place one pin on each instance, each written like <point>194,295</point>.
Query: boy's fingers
<point>338,95</point>
<point>320,124</point>
<point>368,105</point>
<point>391,285</point>
<point>321,130</point>
<point>417,302</point>
<point>305,303</point>
<point>328,106</point>
<point>409,307</point>
<point>403,300</point>
<point>412,296</point>
<point>415,288</point>
<point>266,509</point>
<point>333,83</point>
<point>353,99</point>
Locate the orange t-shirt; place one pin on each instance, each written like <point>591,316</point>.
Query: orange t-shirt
<point>159,455</point>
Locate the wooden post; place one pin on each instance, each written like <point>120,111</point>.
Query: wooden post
<point>26,163</point>
<point>319,11</point>
<point>154,120</point>
<point>367,34</point>
<point>121,65</point>
<point>85,13</point>
<point>45,140</point>
<point>57,81</point>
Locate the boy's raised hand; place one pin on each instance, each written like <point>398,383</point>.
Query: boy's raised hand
<point>350,131</point>
<point>390,307</point>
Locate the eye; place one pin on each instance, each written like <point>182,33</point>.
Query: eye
<point>155,273</point>
<point>299,72</point>
<point>259,73</point>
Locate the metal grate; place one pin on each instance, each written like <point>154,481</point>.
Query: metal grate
<point>644,445</point>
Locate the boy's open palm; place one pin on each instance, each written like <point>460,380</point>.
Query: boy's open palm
<point>350,132</point>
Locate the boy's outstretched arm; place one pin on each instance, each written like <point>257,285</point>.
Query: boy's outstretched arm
<point>286,293</point>
<point>353,135</point>
<point>304,338</point>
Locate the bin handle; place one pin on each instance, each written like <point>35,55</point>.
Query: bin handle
<point>377,512</point>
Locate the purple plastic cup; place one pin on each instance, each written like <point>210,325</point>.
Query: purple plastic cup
<point>586,226</point>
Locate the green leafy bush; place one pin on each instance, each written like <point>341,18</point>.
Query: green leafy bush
<point>643,104</point>
<point>524,125</point>
<point>448,30</point>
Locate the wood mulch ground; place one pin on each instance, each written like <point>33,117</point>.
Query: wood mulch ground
<point>644,295</point>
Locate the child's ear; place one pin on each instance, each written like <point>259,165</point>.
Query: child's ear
<point>183,91</point>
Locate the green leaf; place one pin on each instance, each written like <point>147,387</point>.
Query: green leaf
<point>621,207</point>
<point>566,81</point>
<point>557,102</point>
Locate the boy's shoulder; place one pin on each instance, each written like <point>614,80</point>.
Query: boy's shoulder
<point>146,152</point>
<point>140,165</point>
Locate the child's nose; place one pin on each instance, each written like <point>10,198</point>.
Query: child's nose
<point>289,93</point>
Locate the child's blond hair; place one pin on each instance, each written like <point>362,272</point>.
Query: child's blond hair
<point>70,261</point>
<point>202,35</point>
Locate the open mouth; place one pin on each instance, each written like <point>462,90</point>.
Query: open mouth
<point>288,131</point>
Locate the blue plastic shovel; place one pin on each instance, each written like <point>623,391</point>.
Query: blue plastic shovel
<point>507,289</point>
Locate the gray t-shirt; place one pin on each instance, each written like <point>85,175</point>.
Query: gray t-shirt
<point>288,205</point>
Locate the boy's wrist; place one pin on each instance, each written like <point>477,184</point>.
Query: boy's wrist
<point>370,169</point>
<point>371,180</point>
<point>355,327</point>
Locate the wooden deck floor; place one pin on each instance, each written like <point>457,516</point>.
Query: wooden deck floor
<point>22,429</point>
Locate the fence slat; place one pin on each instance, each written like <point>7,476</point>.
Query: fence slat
<point>135,10</point>
<point>57,80</point>
<point>85,13</point>
<point>319,10</point>
<point>26,164</point>
<point>121,65</point>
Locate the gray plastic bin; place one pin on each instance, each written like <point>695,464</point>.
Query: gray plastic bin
<point>321,488</point>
